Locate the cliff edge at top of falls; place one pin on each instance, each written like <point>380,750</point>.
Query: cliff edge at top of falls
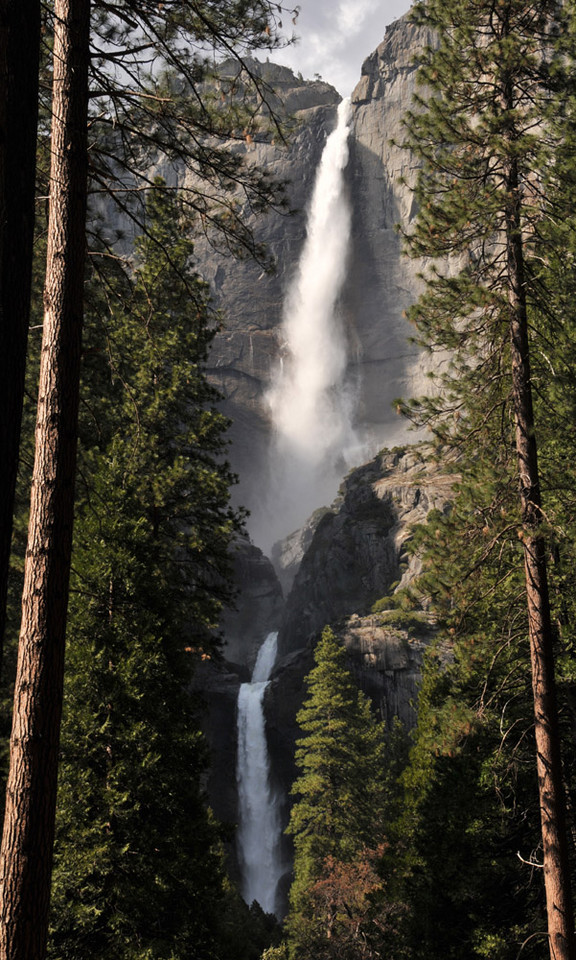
<point>389,68</point>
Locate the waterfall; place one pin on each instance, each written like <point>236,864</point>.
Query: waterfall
<point>259,829</point>
<point>310,402</point>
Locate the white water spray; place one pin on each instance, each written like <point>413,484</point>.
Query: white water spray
<point>259,830</point>
<point>310,404</point>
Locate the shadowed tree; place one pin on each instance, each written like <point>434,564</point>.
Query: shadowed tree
<point>26,854</point>
<point>19,66</point>
<point>339,792</point>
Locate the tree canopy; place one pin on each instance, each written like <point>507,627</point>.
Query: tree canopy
<point>340,798</point>
<point>483,132</point>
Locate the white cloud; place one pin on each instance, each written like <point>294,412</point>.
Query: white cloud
<point>351,17</point>
<point>334,40</point>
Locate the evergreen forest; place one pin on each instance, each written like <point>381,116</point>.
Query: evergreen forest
<point>451,841</point>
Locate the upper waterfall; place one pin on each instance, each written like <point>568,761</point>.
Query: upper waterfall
<point>310,401</point>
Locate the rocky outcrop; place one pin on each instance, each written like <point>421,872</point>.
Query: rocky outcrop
<point>356,554</point>
<point>287,554</point>
<point>386,652</point>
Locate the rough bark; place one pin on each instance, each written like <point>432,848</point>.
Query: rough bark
<point>19,65</point>
<point>548,754</point>
<point>26,854</point>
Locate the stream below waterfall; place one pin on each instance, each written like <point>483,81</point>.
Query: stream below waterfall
<point>259,831</point>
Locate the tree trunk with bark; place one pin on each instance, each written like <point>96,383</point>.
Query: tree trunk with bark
<point>26,853</point>
<point>19,66</point>
<point>547,731</point>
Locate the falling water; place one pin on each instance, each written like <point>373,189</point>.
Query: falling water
<point>259,830</point>
<point>310,404</point>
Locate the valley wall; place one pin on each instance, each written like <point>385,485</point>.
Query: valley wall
<point>380,282</point>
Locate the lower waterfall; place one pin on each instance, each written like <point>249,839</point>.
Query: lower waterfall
<point>259,830</point>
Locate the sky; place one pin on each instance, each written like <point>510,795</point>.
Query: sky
<point>336,36</point>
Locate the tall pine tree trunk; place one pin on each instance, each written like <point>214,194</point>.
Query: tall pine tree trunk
<point>548,757</point>
<point>26,853</point>
<point>19,65</point>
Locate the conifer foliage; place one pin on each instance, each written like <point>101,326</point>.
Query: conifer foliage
<point>336,821</point>
<point>482,135</point>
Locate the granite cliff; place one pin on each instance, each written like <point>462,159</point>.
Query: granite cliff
<point>357,553</point>
<point>379,285</point>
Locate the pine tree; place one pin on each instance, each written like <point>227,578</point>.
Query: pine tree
<point>340,790</point>
<point>482,136</point>
<point>469,808</point>
<point>26,854</point>
<point>19,59</point>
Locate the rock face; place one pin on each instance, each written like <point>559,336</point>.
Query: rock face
<point>258,608</point>
<point>356,554</point>
<point>380,282</point>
